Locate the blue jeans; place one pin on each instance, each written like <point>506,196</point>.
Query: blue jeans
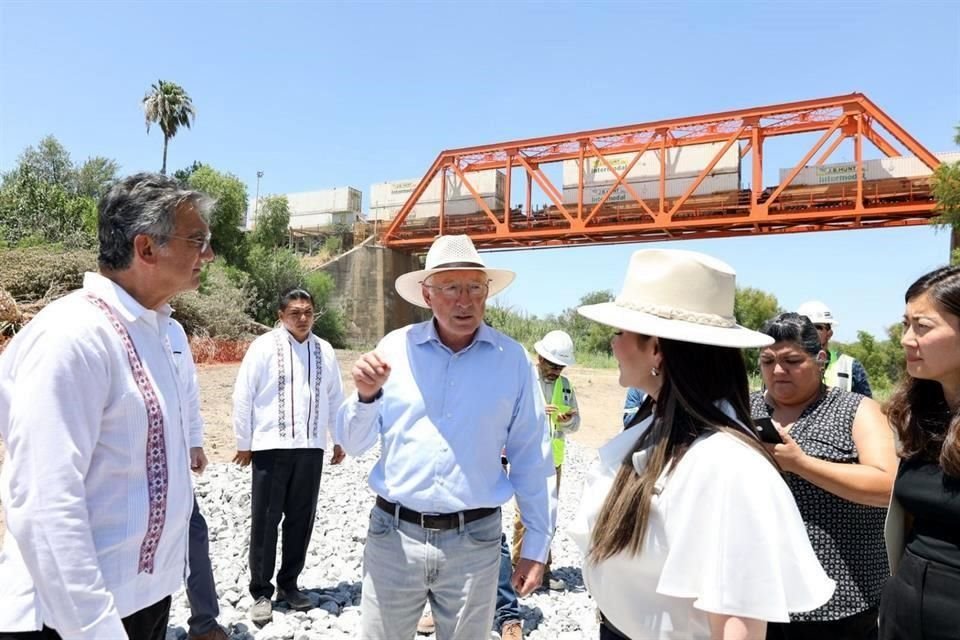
<point>508,607</point>
<point>404,565</point>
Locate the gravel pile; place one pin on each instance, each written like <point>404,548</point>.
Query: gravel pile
<point>334,563</point>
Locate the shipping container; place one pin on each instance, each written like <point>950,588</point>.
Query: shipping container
<point>395,194</point>
<point>877,169</point>
<point>337,200</point>
<point>650,190</point>
<point>460,206</point>
<point>682,162</point>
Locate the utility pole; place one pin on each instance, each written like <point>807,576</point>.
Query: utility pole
<point>256,202</point>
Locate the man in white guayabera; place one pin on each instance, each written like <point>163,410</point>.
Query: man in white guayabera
<point>444,398</point>
<point>96,420</point>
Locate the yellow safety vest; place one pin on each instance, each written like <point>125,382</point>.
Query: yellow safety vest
<point>839,372</point>
<point>559,444</point>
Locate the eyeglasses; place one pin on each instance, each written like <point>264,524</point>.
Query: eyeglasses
<point>299,313</point>
<point>822,327</point>
<point>202,244</point>
<point>552,365</point>
<point>476,290</point>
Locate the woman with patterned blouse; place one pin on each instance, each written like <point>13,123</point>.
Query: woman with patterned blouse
<point>840,461</point>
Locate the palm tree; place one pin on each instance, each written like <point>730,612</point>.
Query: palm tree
<point>169,106</point>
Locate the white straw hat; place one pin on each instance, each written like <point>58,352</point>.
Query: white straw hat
<point>679,295</point>
<point>557,347</point>
<point>450,253</point>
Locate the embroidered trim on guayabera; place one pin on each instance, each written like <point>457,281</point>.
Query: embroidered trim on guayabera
<point>281,387</point>
<point>156,447</point>
<point>318,359</point>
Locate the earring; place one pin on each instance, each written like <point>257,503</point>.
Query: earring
<point>655,372</point>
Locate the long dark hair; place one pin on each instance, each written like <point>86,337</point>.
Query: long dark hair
<point>918,409</point>
<point>696,378</point>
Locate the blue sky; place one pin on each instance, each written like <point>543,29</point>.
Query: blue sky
<point>318,95</point>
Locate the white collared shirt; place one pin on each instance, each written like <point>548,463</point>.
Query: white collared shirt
<point>443,421</point>
<point>74,484</point>
<point>287,393</point>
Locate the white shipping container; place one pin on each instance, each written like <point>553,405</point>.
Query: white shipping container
<point>650,190</point>
<point>686,161</point>
<point>487,183</point>
<point>877,169</point>
<point>460,206</point>
<point>340,199</point>
<point>311,220</point>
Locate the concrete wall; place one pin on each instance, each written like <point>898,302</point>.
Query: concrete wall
<point>363,279</point>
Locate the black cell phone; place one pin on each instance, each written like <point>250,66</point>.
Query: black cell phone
<point>766,431</point>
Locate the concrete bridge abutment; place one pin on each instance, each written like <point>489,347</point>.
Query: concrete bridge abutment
<point>363,288</point>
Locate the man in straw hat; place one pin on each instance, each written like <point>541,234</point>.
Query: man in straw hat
<point>444,398</point>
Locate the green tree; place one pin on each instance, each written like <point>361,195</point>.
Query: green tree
<point>170,107</point>
<point>49,162</point>
<point>226,223</point>
<point>95,177</point>
<point>33,212</point>
<point>183,175</point>
<point>273,220</point>
<point>883,360</point>
<point>946,192</point>
<point>329,323</point>
<point>272,271</point>
<point>588,336</point>
<point>752,307</point>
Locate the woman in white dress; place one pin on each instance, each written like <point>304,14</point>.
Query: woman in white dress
<point>687,527</point>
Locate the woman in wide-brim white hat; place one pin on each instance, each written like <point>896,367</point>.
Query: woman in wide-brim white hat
<point>686,525</point>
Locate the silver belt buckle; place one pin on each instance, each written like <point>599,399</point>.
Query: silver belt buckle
<point>423,521</point>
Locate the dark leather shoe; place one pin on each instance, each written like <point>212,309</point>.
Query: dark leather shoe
<point>262,611</point>
<point>217,633</point>
<point>296,599</point>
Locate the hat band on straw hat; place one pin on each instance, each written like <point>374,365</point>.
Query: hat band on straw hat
<point>458,265</point>
<point>672,313</point>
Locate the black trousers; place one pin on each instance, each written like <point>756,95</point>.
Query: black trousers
<point>149,623</point>
<point>861,626</point>
<point>921,601</point>
<point>286,483</point>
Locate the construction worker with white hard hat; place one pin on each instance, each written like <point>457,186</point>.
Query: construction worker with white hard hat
<point>554,352</point>
<point>843,371</point>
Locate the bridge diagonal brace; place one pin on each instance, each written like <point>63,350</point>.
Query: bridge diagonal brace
<point>548,188</point>
<point>620,180</point>
<point>706,171</point>
<point>476,196</point>
<point>803,162</point>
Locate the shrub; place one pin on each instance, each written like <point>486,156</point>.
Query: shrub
<point>44,272</point>
<point>329,324</point>
<point>218,308</point>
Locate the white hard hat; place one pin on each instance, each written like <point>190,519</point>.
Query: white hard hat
<point>818,313</point>
<point>557,347</point>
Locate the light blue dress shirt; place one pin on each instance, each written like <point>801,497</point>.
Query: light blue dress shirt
<point>443,420</point>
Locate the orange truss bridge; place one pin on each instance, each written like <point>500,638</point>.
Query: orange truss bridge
<point>673,179</point>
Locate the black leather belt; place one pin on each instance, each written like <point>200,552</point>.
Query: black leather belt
<point>435,520</point>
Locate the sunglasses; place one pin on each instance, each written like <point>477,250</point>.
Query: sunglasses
<point>822,327</point>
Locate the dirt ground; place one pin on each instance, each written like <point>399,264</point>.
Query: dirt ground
<point>598,393</point>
